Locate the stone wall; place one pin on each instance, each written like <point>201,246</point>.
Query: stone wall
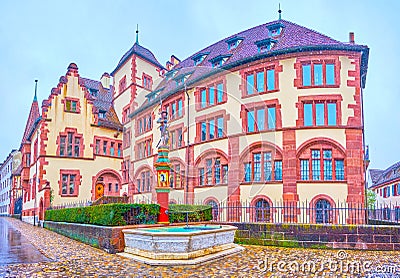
<point>109,239</point>
<point>319,236</point>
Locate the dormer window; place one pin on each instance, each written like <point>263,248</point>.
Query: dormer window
<point>219,60</point>
<point>265,45</point>
<point>169,75</point>
<point>152,95</point>
<point>102,114</point>
<point>275,29</point>
<point>180,79</point>
<point>94,92</point>
<point>198,58</point>
<point>233,42</point>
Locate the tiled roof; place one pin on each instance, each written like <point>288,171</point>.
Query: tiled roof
<point>141,52</point>
<point>379,177</point>
<point>103,102</point>
<point>34,116</point>
<point>293,38</point>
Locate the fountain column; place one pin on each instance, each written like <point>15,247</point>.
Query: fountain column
<point>163,167</point>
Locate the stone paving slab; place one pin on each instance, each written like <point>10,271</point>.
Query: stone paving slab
<point>70,258</point>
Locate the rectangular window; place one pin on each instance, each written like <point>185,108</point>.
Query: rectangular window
<point>316,164</point>
<point>261,119</point>
<point>211,95</point>
<point>220,92</point>
<point>173,110</point>
<point>180,104</point>
<point>267,166</point>
<point>209,170</point>
<point>105,147</point>
<point>112,151</point>
<point>260,81</point>
<point>116,187</point>
<point>304,169</point>
<point>201,176</point>
<point>250,84</point>
<point>247,172</point>
<point>97,146</point>
<point>250,121</point>
<point>306,75</point>
<point>119,149</point>
<point>109,187</point>
<point>278,170</point>
<point>203,98</point>
<point>173,140</point>
<point>69,146</point>
<point>220,127</point>
<point>330,74</point>
<point>327,165</point>
<point>271,80</point>
<point>257,166</point>
<point>203,131</point>
<point>320,115</point>
<point>64,184</point>
<point>339,167</point>
<point>68,184</point>
<point>62,145</point>
<point>332,114</point>
<point>70,105</point>
<point>224,174</point>
<point>217,167</point>
<point>212,129</point>
<point>317,74</point>
<point>179,137</point>
<point>77,146</point>
<point>271,117</point>
<point>308,114</point>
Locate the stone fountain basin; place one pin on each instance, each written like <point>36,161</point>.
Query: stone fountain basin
<point>178,242</point>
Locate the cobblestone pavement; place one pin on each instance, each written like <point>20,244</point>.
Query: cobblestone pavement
<point>70,258</point>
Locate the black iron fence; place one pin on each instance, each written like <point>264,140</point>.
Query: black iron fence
<point>278,212</point>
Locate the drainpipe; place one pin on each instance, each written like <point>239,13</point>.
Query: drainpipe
<point>187,148</point>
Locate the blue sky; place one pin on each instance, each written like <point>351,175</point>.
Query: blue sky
<point>38,40</point>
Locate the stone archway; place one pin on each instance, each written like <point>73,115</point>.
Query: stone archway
<point>107,182</point>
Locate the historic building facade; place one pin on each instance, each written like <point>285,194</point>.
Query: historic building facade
<point>273,113</point>
<point>72,149</point>
<point>386,185</point>
<point>7,170</point>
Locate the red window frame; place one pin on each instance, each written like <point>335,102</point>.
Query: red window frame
<point>142,124</point>
<point>63,146</point>
<point>334,98</point>
<point>306,154</point>
<point>174,137</point>
<point>77,182</point>
<point>122,84</point>
<point>275,156</point>
<point>214,85</point>
<point>167,106</point>
<point>202,165</point>
<point>147,81</point>
<point>68,104</point>
<point>98,149</point>
<point>322,60</point>
<point>144,148</point>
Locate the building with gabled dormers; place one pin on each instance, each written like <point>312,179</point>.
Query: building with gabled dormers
<point>270,114</point>
<point>72,148</point>
<point>7,170</point>
<point>386,185</point>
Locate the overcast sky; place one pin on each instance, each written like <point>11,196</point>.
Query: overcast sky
<point>38,40</point>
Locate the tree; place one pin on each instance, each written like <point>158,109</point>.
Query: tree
<point>371,199</point>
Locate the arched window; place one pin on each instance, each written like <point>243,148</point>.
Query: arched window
<point>144,180</point>
<point>177,178</point>
<point>322,160</point>
<point>212,169</point>
<point>262,163</point>
<point>262,211</point>
<point>214,209</point>
<point>323,212</point>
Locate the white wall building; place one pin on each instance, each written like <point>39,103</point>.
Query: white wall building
<point>6,184</point>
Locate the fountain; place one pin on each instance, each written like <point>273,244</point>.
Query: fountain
<point>176,245</point>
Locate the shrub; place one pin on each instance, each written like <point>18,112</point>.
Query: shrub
<point>196,213</point>
<point>107,215</point>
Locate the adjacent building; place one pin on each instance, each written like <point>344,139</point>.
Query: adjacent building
<point>386,185</point>
<point>6,184</point>
<point>270,114</point>
<point>72,147</point>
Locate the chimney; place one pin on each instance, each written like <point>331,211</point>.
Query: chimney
<point>105,80</point>
<point>175,60</point>
<point>168,65</point>
<point>351,37</point>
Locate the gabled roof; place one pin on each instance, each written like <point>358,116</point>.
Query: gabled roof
<point>141,52</point>
<point>292,39</point>
<point>379,177</point>
<point>33,118</point>
<point>103,102</point>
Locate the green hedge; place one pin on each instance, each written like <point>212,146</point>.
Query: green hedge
<point>107,215</point>
<point>177,213</point>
